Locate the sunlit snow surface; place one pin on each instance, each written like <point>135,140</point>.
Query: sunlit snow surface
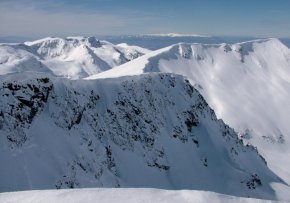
<point>122,195</point>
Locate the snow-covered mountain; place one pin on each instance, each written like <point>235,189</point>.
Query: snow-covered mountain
<point>247,84</point>
<point>71,57</point>
<point>153,130</point>
<point>147,122</point>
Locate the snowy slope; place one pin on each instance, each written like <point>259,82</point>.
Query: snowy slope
<point>15,58</point>
<point>122,195</point>
<point>152,130</point>
<point>247,84</point>
<point>72,57</point>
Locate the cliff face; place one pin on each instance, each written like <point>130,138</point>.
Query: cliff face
<point>151,130</point>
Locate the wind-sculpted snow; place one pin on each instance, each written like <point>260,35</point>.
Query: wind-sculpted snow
<point>71,57</point>
<point>152,130</point>
<point>247,84</point>
<point>123,195</point>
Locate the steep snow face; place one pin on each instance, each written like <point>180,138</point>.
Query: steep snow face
<point>247,84</point>
<point>123,195</point>
<point>152,130</point>
<point>72,57</point>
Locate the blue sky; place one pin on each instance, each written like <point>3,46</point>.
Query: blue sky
<point>39,18</point>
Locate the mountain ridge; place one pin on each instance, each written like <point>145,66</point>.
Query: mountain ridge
<point>239,82</point>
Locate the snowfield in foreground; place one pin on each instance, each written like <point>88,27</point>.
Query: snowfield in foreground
<point>122,195</point>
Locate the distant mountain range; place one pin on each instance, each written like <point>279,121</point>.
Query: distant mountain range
<point>71,57</point>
